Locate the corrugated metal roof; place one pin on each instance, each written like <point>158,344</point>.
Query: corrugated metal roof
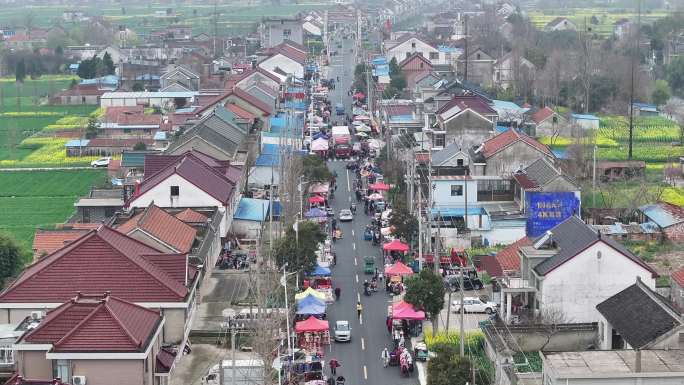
<point>663,214</point>
<point>585,117</point>
<point>251,209</point>
<point>77,143</point>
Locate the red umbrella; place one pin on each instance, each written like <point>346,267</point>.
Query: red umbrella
<point>379,186</point>
<point>395,245</point>
<point>359,95</point>
<point>316,199</point>
<point>398,269</point>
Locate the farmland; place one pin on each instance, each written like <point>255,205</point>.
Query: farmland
<point>606,18</point>
<point>31,199</point>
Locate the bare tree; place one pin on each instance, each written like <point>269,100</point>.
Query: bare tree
<point>549,322</point>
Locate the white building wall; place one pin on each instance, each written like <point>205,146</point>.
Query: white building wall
<point>399,52</point>
<point>284,63</point>
<point>578,285</point>
<point>442,193</point>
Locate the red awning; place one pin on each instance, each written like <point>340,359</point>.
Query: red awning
<point>395,245</point>
<point>359,95</point>
<point>379,186</point>
<point>316,199</point>
<point>404,310</point>
<point>398,269</point>
<point>311,324</point>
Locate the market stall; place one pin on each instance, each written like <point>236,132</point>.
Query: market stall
<point>308,292</point>
<point>395,274</point>
<point>395,249</point>
<point>312,334</point>
<point>316,199</point>
<point>310,306</point>
<point>320,146</point>
<point>380,186</point>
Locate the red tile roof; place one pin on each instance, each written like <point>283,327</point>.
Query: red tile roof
<point>417,56</point>
<point>542,114</point>
<point>472,102</point>
<point>288,51</point>
<point>252,71</point>
<point>240,112</point>
<point>508,257</point>
<point>48,241</point>
<point>524,181</point>
<point>191,216</point>
<point>163,226</point>
<point>101,260</point>
<point>83,90</point>
<point>678,277</point>
<point>501,141</point>
<point>241,94</point>
<point>194,170</point>
<point>112,113</point>
<point>96,324</point>
<point>157,162</point>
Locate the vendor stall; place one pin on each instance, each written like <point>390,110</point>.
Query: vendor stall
<point>380,186</point>
<point>309,291</point>
<point>312,334</point>
<point>316,199</point>
<point>310,306</point>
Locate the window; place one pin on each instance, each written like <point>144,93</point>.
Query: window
<point>459,162</point>
<point>61,369</point>
<point>86,214</point>
<point>413,45</point>
<point>175,191</point>
<point>408,54</point>
<point>434,55</point>
<point>83,99</point>
<point>478,56</point>
<point>439,140</point>
<point>287,33</point>
<point>6,354</point>
<point>456,190</point>
<point>555,119</point>
<point>109,212</point>
<point>421,65</point>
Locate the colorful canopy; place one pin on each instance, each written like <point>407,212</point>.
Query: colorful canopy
<point>320,144</point>
<point>320,271</point>
<point>316,199</point>
<point>359,95</point>
<point>315,213</point>
<point>395,245</point>
<point>406,311</point>
<point>375,197</point>
<point>310,291</point>
<point>311,324</point>
<point>363,128</point>
<point>311,305</point>
<point>398,269</point>
<point>319,188</point>
<point>379,186</point>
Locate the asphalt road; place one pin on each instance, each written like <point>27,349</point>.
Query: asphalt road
<point>360,359</point>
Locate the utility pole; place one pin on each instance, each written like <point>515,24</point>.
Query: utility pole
<point>465,51</point>
<point>462,311</point>
<point>420,229</point>
<point>633,74</point>
<point>593,180</point>
<point>233,333</point>
<point>215,22</point>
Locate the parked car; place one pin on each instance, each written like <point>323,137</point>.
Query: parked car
<point>452,282</point>
<point>474,305</point>
<point>102,162</point>
<point>346,215</point>
<point>342,332</point>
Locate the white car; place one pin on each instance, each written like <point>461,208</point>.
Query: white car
<point>474,305</point>
<point>346,215</point>
<point>102,162</point>
<point>342,332</point>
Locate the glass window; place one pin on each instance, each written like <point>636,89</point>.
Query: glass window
<point>6,354</point>
<point>459,162</point>
<point>456,190</point>
<point>175,191</point>
<point>439,140</point>
<point>61,369</point>
<point>434,55</point>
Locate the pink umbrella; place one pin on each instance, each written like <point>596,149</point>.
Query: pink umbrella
<point>379,186</point>
<point>375,197</point>
<point>316,199</point>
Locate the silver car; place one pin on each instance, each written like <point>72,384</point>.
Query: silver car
<point>342,332</point>
<point>346,215</point>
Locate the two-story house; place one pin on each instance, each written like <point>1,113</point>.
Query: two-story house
<point>274,30</point>
<point>466,119</point>
<point>177,78</point>
<point>506,153</point>
<point>567,271</point>
<point>477,67</point>
<point>93,339</point>
<point>511,68</point>
<point>409,45</point>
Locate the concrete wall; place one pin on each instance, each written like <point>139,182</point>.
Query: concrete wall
<point>548,128</point>
<point>442,193</point>
<point>677,294</point>
<point>274,33</point>
<point>584,281</point>
<point>112,372</point>
<point>512,158</point>
<point>246,229</point>
<point>150,241</point>
<point>399,52</point>
<point>174,325</point>
<point>469,129</point>
<point>32,364</point>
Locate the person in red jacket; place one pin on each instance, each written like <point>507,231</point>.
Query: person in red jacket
<point>334,364</point>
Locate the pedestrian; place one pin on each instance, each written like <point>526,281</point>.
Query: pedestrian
<point>385,357</point>
<point>334,255</point>
<point>334,364</point>
<point>359,309</point>
<point>388,322</point>
<point>338,292</point>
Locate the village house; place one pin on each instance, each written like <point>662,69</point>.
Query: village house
<point>285,59</point>
<point>410,45</point>
<point>480,68</point>
<point>585,121</point>
<point>275,30</point>
<point>99,205</point>
<point>511,68</point>
<point>257,75</point>
<point>177,78</point>
<point>190,180</point>
<point>566,272</point>
<point>159,229</point>
<point>677,289</point>
<point>79,94</point>
<point>506,153</point>
<point>258,109</point>
<point>413,67</point>
<point>547,122</point>
<point>544,176</point>
<point>468,120</point>
<point>124,266</point>
<point>560,24</point>
<point>668,218</point>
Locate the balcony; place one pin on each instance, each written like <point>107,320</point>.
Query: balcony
<point>517,285</point>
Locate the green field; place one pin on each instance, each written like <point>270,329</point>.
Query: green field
<point>580,16</point>
<point>143,19</point>
<point>31,199</point>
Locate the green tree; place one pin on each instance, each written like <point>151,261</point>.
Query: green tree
<point>405,224</point>
<point>59,51</point>
<point>20,71</point>
<point>398,81</point>
<point>675,76</point>
<point>298,249</point>
<point>73,83</point>
<point>108,64</point>
<point>661,92</point>
<point>394,67</point>
<point>92,128</point>
<point>315,169</point>
<point>140,146</point>
<point>137,87</point>
<point>426,291</point>
<point>10,257</point>
<point>448,368</point>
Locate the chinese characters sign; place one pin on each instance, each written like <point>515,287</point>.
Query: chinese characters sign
<point>547,209</point>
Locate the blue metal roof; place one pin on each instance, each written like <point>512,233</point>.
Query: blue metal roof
<point>251,209</point>
<point>663,215</point>
<point>381,70</point>
<point>266,160</point>
<point>447,212</point>
<point>74,66</point>
<point>160,135</point>
<point>401,118</point>
<point>108,80</point>
<point>505,105</point>
<point>77,143</point>
<point>646,107</point>
<point>379,60</point>
<point>585,117</point>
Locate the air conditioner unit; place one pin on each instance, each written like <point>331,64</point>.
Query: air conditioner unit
<point>78,380</point>
<point>36,315</point>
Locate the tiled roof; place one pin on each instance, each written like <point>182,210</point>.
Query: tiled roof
<point>239,93</point>
<point>473,102</point>
<point>101,260</point>
<point>240,112</point>
<point>508,257</point>
<point>96,324</point>
<point>524,181</point>
<point>415,55</point>
<point>572,236</point>
<point>499,142</point>
<point>112,113</point>
<point>48,241</point>
<point>542,114</point>
<point>639,315</point>
<point>191,216</point>
<point>157,162</point>
<point>678,277</point>
<point>197,172</point>
<point>163,226</point>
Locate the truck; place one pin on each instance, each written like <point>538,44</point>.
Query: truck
<point>341,142</point>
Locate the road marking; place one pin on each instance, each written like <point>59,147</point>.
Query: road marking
<point>348,185</point>
<point>357,278</point>
<point>361,320</point>
<point>358,297</point>
<point>363,344</point>
<point>352,232</point>
<point>349,198</point>
<point>354,245</point>
<point>365,372</point>
<point>355,263</point>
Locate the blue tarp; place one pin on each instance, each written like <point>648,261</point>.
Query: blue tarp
<point>277,209</point>
<point>449,212</point>
<point>320,135</point>
<point>112,80</point>
<point>295,104</point>
<point>77,143</point>
<point>379,60</point>
<point>251,209</point>
<point>381,70</point>
<point>265,160</point>
<point>315,213</point>
<point>160,135</point>
<point>584,117</point>
<point>320,271</point>
<point>311,305</point>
